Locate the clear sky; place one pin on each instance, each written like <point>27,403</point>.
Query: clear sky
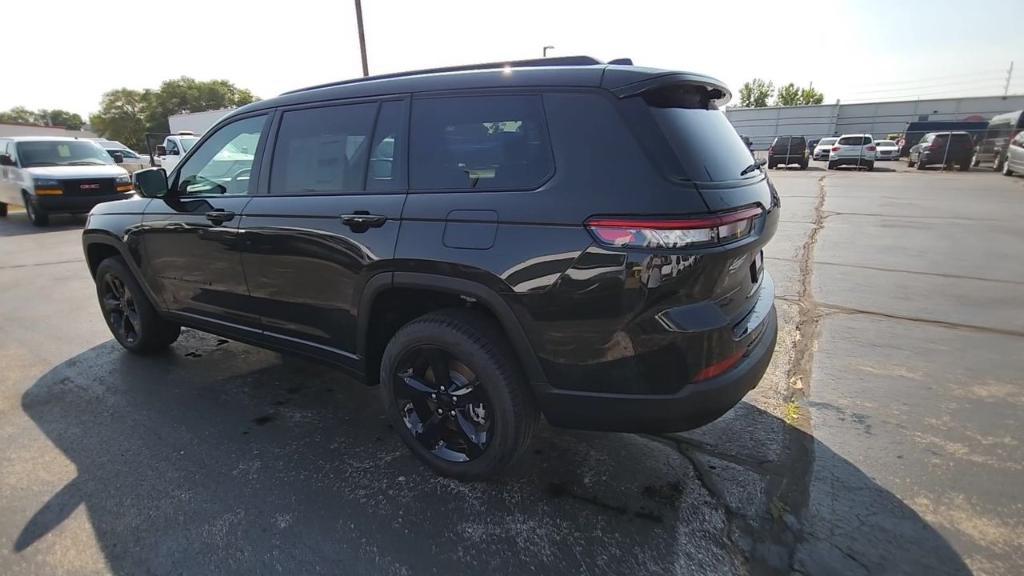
<point>66,53</point>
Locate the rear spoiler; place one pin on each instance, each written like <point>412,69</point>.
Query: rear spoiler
<point>630,81</point>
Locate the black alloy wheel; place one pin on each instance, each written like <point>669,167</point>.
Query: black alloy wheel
<point>121,310</point>
<point>443,404</point>
<point>132,320</point>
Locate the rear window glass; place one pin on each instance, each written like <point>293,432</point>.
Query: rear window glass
<point>705,143</point>
<point>854,141</point>
<point>827,141</point>
<point>957,138</point>
<point>479,143</point>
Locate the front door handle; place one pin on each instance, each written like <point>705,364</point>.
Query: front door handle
<point>220,216</point>
<point>362,222</point>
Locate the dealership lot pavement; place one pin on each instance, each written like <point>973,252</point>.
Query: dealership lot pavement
<point>885,439</point>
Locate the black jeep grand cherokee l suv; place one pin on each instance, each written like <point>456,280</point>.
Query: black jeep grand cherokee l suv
<point>487,243</point>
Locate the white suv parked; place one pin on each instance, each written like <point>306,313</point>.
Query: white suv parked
<point>853,150</point>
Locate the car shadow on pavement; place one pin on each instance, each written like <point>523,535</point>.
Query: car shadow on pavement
<point>217,457</point>
<point>18,224</point>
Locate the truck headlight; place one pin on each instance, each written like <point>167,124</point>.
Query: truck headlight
<point>123,184</point>
<point>46,183</point>
<point>47,187</point>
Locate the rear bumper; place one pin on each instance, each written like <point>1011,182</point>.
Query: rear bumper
<point>74,204</point>
<point>850,161</point>
<point>695,404</point>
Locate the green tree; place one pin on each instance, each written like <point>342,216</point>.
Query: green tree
<point>811,96</point>
<point>189,95</point>
<point>20,115</point>
<point>126,115</point>
<point>788,95</point>
<point>792,95</point>
<point>121,117</point>
<point>755,94</point>
<point>59,117</point>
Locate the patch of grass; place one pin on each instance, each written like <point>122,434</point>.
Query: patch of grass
<point>792,412</point>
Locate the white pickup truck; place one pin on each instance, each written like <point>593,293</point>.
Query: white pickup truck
<point>173,148</point>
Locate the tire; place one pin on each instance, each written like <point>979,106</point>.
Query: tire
<point>830,166</point>
<point>803,165</point>
<point>997,164</point>
<point>910,161</point>
<point>920,164</point>
<point>3,210</point>
<point>469,342</point>
<point>771,165</point>
<point>964,166</point>
<point>36,215</point>
<point>145,332</point>
<point>870,166</point>
<point>974,161</point>
<point>1006,168</point>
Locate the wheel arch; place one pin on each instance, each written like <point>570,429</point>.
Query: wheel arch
<point>468,291</point>
<point>100,245</point>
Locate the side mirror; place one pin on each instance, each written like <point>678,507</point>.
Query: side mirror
<point>118,158</point>
<point>151,182</point>
<point>161,150</point>
<point>6,160</point>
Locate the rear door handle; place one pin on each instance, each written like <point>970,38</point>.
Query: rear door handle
<point>362,222</point>
<point>220,216</point>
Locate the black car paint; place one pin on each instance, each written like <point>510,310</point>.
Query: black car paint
<point>590,325</point>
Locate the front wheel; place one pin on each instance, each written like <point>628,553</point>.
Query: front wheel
<point>132,320</point>
<point>36,215</point>
<point>910,162</point>
<point>454,391</point>
<point>920,164</point>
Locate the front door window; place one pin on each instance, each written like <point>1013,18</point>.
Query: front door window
<point>223,163</point>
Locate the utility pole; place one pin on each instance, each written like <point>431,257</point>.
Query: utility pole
<point>1009,75</point>
<point>546,48</point>
<point>362,37</point>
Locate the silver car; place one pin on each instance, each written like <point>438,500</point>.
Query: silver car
<point>47,175</point>
<point>1014,163</point>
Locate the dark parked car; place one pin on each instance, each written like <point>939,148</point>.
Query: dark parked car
<point>556,237</point>
<point>787,150</point>
<point>992,147</point>
<point>946,148</point>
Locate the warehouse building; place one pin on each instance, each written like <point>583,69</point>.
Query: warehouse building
<point>762,125</point>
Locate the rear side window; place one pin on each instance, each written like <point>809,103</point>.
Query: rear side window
<point>322,150</point>
<point>479,143</point>
<point>854,141</point>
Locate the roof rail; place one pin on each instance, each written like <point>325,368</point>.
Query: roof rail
<point>536,62</point>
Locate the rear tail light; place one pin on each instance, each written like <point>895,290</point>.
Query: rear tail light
<point>675,232</point>
<point>870,148</point>
<point>720,367</point>
<point>837,148</point>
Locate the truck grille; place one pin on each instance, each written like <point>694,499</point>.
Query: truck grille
<point>89,187</point>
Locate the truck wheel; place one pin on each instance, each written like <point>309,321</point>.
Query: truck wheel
<point>454,391</point>
<point>36,215</point>
<point>132,320</point>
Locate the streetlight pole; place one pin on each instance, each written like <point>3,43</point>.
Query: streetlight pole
<point>362,37</point>
<point>546,48</point>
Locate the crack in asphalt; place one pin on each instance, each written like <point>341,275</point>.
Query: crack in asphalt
<point>34,264</point>
<point>838,309</point>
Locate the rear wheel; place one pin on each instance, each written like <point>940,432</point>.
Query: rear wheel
<point>1006,168</point>
<point>870,166</point>
<point>910,161</point>
<point>454,391</point>
<point>132,320</point>
<point>803,165</point>
<point>830,166</point>
<point>920,164</point>
<point>3,209</point>
<point>964,165</point>
<point>36,215</point>
<point>997,164</point>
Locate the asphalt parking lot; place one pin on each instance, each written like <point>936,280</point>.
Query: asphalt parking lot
<point>885,438</point>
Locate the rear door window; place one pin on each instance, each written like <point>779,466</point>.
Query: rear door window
<point>479,143</point>
<point>322,150</point>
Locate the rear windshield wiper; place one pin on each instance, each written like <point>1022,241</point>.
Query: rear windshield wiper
<point>751,168</point>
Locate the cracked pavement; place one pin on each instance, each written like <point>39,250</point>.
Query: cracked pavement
<point>884,439</point>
